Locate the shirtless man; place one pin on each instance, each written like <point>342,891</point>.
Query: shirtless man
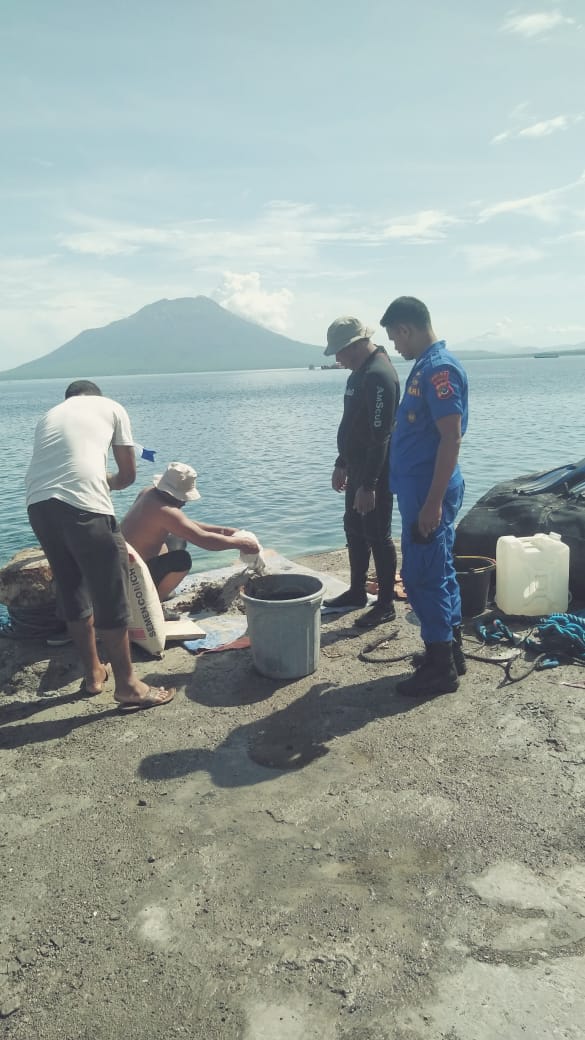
<point>156,514</point>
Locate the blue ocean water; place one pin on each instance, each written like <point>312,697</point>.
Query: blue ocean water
<point>263,442</point>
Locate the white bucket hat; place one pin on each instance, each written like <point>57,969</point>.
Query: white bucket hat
<point>178,480</point>
<point>343,332</point>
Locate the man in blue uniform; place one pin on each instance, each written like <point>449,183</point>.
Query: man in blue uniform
<point>425,474</point>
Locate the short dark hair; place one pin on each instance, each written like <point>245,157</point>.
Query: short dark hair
<point>82,387</point>
<point>406,310</point>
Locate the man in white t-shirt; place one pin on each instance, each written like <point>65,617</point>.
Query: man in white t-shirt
<point>70,510</point>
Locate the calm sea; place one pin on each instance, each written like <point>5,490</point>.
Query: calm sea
<point>263,442</point>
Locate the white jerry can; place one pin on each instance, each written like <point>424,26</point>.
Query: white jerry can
<point>532,575</point>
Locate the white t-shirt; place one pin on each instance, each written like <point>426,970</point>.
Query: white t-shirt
<point>70,454</point>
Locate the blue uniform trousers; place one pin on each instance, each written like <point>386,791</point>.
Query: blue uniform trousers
<point>428,571</point>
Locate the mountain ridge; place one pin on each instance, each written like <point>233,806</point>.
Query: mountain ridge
<point>196,334</point>
<point>189,334</point>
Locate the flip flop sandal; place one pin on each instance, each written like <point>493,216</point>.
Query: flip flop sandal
<point>153,699</point>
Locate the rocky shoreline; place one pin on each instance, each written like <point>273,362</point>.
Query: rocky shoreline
<point>306,859</point>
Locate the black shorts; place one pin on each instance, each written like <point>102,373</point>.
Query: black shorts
<point>177,561</point>
<point>89,560</point>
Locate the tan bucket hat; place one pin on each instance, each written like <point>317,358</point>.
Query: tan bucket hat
<point>178,480</point>
<point>343,332</point>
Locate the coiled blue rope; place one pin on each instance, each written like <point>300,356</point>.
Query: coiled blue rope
<point>555,636</point>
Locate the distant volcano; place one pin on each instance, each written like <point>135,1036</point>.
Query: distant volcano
<point>193,334</point>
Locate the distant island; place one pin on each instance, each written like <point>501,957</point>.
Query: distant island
<point>193,334</point>
<point>196,334</point>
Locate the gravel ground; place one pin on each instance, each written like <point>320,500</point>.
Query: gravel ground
<point>318,858</point>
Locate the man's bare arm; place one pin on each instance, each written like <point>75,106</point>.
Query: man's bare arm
<point>197,534</point>
<point>125,458</point>
<point>214,528</point>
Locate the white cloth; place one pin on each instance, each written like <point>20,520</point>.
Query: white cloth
<point>254,562</point>
<point>70,453</point>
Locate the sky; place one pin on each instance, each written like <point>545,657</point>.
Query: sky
<point>295,162</point>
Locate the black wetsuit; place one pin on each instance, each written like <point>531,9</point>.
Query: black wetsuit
<point>371,399</point>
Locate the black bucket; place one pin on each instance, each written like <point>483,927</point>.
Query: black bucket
<point>474,574</point>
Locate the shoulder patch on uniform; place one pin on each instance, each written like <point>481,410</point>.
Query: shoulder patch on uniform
<point>442,384</point>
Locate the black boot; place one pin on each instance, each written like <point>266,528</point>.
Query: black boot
<point>384,553</point>
<point>456,647</point>
<point>379,614</point>
<point>382,612</point>
<point>351,599</point>
<point>437,674</point>
<point>421,656</point>
<point>355,596</point>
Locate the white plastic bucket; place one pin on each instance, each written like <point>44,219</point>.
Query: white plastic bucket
<point>284,623</point>
<point>532,575</point>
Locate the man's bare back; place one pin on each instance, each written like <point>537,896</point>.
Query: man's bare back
<point>148,523</point>
<point>153,516</point>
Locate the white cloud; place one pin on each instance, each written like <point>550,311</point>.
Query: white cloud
<point>243,294</point>
<point>277,232</point>
<point>500,332</point>
<point>549,126</point>
<point>284,233</point>
<point>538,23</point>
<point>117,241</point>
<point>485,257</point>
<point>46,303</point>
<point>501,329</point>
<point>566,330</point>
<point>426,226</point>
<point>546,206</point>
<point>544,128</point>
<point>543,207</point>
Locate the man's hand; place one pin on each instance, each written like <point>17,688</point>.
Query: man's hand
<point>364,501</point>
<point>246,543</point>
<point>429,518</point>
<point>125,458</point>
<point>339,478</point>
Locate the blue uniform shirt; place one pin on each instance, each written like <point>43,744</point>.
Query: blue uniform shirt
<point>436,386</point>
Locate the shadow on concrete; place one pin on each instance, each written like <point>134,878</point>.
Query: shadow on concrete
<point>15,734</point>
<point>335,635</point>
<point>49,729</point>
<point>284,740</point>
<point>229,680</point>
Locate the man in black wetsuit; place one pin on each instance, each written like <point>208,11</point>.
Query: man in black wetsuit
<point>371,398</point>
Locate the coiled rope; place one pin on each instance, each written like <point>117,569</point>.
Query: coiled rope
<point>31,623</point>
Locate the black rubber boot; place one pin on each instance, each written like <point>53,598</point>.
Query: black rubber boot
<point>437,674</point>
<point>351,599</point>
<point>382,612</point>
<point>456,647</point>
<point>379,614</point>
<point>384,554</point>
<point>421,656</point>
<point>355,596</point>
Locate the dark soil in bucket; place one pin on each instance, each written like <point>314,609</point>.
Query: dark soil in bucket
<point>278,595</point>
<point>282,588</point>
